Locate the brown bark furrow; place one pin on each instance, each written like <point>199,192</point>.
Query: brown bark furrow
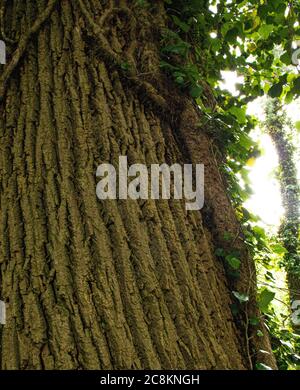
<point>203,270</point>
<point>93,197</point>
<point>132,235</point>
<point>144,126</point>
<point>193,259</point>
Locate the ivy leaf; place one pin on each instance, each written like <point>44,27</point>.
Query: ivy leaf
<point>245,140</point>
<point>259,231</point>
<point>241,296</point>
<point>181,48</point>
<point>182,25</point>
<point>265,298</point>
<point>253,321</point>
<point>278,249</point>
<point>265,30</point>
<point>275,90</point>
<point>297,125</point>
<point>289,97</point>
<point>239,113</point>
<point>288,344</point>
<point>262,366</point>
<point>234,262</point>
<point>125,66</point>
<point>167,65</point>
<point>296,87</point>
<point>286,58</point>
<point>270,276</point>
<point>196,91</point>
<point>263,10</point>
<point>231,35</point>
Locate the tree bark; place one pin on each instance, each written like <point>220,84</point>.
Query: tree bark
<point>118,283</point>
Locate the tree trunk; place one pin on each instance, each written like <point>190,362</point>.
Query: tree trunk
<point>117,283</point>
<point>281,133</point>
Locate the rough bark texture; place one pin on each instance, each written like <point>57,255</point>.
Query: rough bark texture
<point>111,284</point>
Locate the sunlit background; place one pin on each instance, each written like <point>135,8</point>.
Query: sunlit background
<point>265,200</point>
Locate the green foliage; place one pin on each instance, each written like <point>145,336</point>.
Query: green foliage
<point>233,261</point>
<point>242,298</point>
<point>251,37</point>
<point>265,297</point>
<point>254,321</point>
<point>286,344</point>
<point>256,39</point>
<point>261,366</point>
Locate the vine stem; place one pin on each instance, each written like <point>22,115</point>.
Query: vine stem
<point>118,60</point>
<point>251,274</point>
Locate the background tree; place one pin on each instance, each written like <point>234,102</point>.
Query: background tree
<point>282,134</point>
